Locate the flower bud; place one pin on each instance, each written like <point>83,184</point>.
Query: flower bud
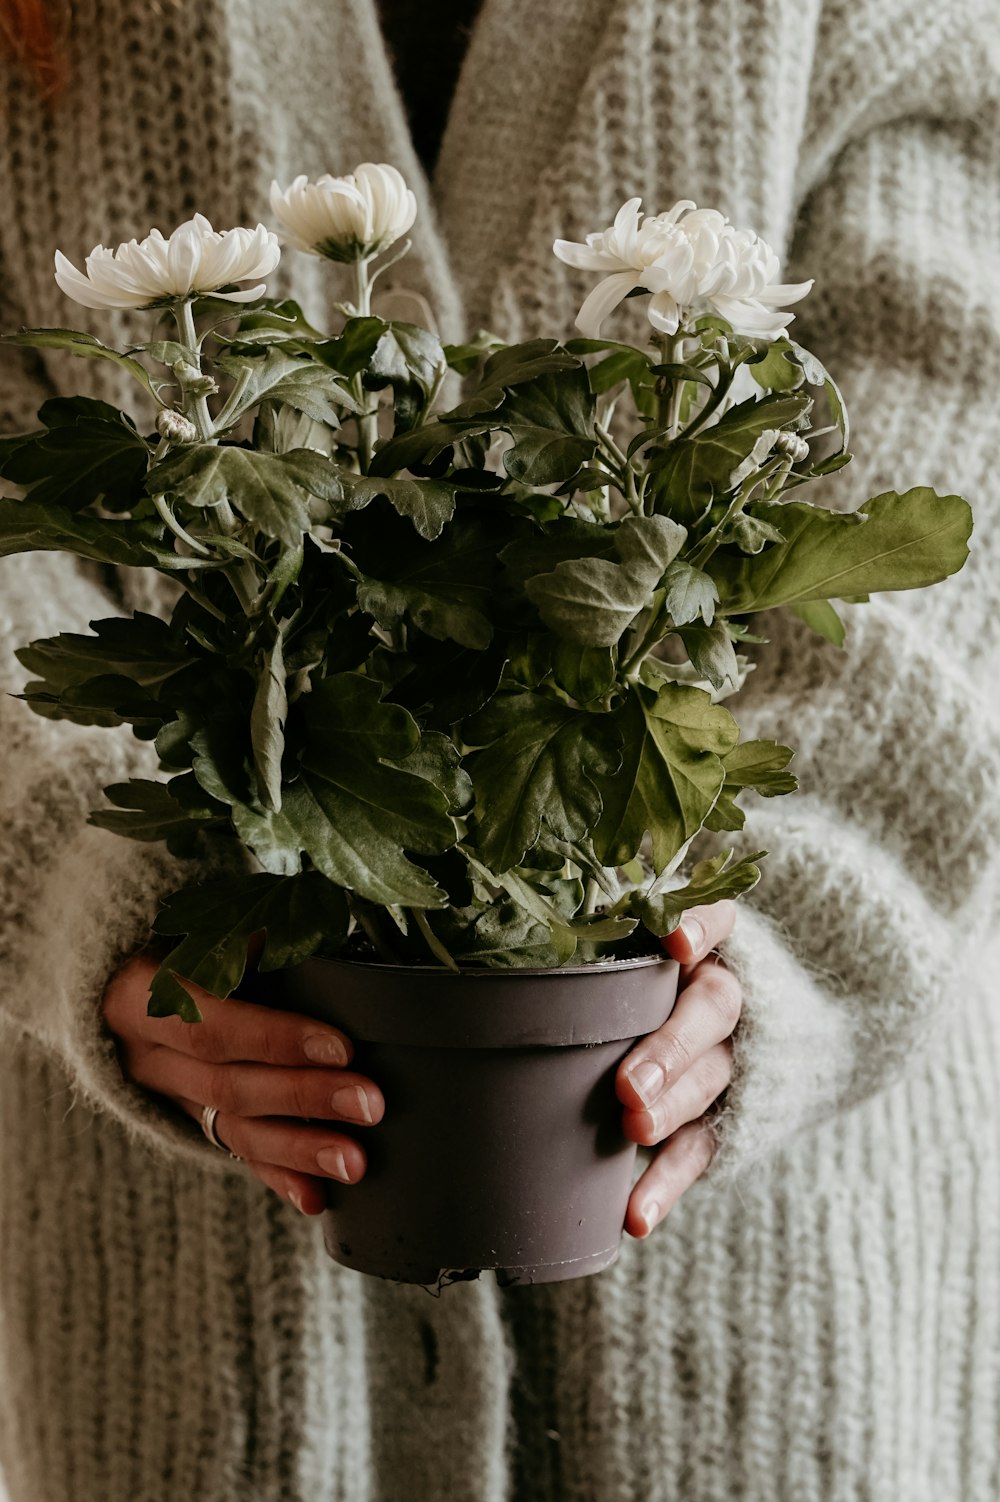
<point>175,427</point>
<point>793,444</point>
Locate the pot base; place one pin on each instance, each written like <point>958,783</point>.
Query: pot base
<point>393,1270</point>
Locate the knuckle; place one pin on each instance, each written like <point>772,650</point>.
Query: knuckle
<point>717,1072</point>
<point>302,1097</point>
<point>696,1146</point>
<point>680,1054</point>
<point>202,1043</point>
<point>264,1043</point>
<point>724,992</point>
<point>226,1091</point>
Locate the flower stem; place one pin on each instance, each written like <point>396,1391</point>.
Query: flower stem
<point>670,390</point>
<point>195,404</point>
<point>367,418</point>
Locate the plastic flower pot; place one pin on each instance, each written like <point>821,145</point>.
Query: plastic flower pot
<point>501,1146</point>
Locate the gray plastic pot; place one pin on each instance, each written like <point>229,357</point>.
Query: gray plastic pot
<point>501,1146</point>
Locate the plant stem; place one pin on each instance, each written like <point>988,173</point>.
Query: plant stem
<point>195,406</point>
<point>652,634</point>
<point>166,515</point>
<point>367,418</point>
<point>431,939</point>
<point>225,417</point>
<point>380,944</point>
<point>712,541</point>
<point>592,896</point>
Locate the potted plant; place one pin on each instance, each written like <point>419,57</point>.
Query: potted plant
<point>443,687</point>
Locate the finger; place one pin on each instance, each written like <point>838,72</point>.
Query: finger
<point>230,1031</point>
<point>679,1163</point>
<point>260,1089</point>
<point>690,1098</point>
<point>306,1194</point>
<point>287,1144</point>
<point>707,1011</point>
<point>700,930</point>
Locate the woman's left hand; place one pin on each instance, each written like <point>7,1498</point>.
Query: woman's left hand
<point>671,1078</point>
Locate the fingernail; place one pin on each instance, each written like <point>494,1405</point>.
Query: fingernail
<point>694,931</point>
<point>324,1048</point>
<point>351,1101</point>
<point>647,1080</point>
<point>331,1160</point>
<point>652,1214</point>
<point>297,1201</point>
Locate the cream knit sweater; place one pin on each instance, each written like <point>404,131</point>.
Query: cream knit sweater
<point>819,1320</point>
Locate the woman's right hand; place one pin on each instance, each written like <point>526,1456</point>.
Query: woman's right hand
<point>275,1077</point>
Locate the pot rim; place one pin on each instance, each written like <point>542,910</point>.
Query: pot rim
<point>488,972</point>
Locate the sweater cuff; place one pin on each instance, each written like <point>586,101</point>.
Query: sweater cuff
<point>793,1050</point>
<point>98,908</point>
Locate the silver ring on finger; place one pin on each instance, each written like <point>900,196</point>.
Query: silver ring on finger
<point>208,1118</point>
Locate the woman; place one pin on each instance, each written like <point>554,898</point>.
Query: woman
<point>819,1316</point>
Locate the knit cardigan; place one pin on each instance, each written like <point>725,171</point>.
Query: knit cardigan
<point>819,1319</point>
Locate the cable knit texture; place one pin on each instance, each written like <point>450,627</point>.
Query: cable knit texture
<point>819,1319</point>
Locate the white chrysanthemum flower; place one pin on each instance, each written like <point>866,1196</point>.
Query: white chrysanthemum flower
<point>195,259</point>
<point>692,261</point>
<point>345,218</point>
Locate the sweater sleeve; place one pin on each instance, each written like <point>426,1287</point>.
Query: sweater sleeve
<point>881,879</point>
<point>75,901</point>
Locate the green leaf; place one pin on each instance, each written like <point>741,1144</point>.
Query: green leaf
<point>429,504</point>
<point>81,457</point>
<point>281,377</point>
<point>536,392</point>
<point>352,350</point>
<point>297,914</point>
<point>671,775</point>
<point>84,345</point>
<point>541,763</point>
<point>148,811</point>
<point>464,358</point>
<point>500,936</point>
<point>551,422</point>
<point>710,881</point>
<point>108,700</point>
<point>514,365</point>
<point>777,369</point>
<point>759,765</point>
<point>592,601</point>
<point>689,472</point>
<point>444,587</point>
<point>26,527</point>
<point>267,722</point>
<point>586,673</point>
<point>689,593</point>
<point>712,654</point>
<point>368,792</point>
<point>820,616</point>
<point>271,491</point>
<point>406,355</point>
<point>749,532</point>
<point>898,542</point>
<point>142,648</point>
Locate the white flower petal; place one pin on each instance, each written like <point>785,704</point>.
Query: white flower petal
<point>603,300</point>
<point>246,294</point>
<point>585,259</point>
<point>664,313</point>
<point>785,292</point>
